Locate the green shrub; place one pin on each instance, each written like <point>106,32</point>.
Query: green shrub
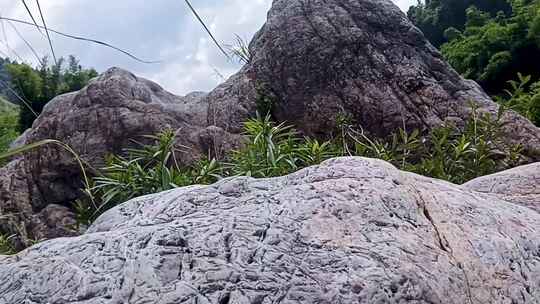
<point>149,169</point>
<point>447,152</point>
<point>9,116</point>
<point>523,96</point>
<point>6,247</point>
<point>271,149</point>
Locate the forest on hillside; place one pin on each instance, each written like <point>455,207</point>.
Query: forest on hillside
<point>494,42</point>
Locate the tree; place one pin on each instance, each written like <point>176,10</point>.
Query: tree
<point>434,17</point>
<point>492,50</point>
<point>28,84</point>
<point>38,86</point>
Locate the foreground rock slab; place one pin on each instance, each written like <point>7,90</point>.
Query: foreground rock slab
<point>313,64</point>
<point>351,230</point>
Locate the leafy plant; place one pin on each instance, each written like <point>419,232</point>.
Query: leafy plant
<point>5,245</point>
<point>273,149</point>
<point>9,116</point>
<point>447,152</point>
<point>151,168</point>
<point>524,97</point>
<point>240,50</point>
<point>270,150</point>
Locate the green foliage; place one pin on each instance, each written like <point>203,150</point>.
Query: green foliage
<point>434,17</point>
<point>477,150</point>
<point>150,169</point>
<point>524,97</point>
<point>447,152</point>
<point>271,149</point>
<point>9,115</point>
<point>6,247</point>
<point>240,50</point>
<point>491,49</point>
<point>38,86</point>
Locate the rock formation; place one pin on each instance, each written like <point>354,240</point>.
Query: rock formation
<point>519,185</point>
<point>351,230</point>
<point>322,59</point>
<point>312,62</point>
<point>103,118</point>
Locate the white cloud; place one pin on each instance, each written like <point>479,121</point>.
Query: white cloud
<point>159,29</point>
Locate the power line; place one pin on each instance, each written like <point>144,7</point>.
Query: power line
<point>31,16</point>
<point>207,29</point>
<point>6,43</point>
<point>24,101</point>
<point>47,32</point>
<point>26,42</point>
<point>81,38</point>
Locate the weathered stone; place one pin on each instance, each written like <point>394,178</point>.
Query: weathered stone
<point>322,59</point>
<point>315,60</point>
<point>519,185</point>
<point>351,230</point>
<point>103,118</point>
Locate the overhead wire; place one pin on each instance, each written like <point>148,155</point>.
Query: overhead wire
<point>47,32</point>
<point>26,42</point>
<point>82,39</point>
<point>24,101</point>
<point>31,16</point>
<point>207,29</point>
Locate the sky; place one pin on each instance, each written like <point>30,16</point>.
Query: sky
<point>154,30</point>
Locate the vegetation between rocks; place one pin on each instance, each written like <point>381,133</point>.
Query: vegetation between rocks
<point>272,149</point>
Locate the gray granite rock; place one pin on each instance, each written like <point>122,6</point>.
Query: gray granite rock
<point>316,60</point>
<point>519,185</point>
<point>351,230</point>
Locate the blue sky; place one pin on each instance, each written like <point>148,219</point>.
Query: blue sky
<point>162,30</point>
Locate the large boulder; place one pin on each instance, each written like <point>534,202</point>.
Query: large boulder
<point>103,118</point>
<point>320,60</point>
<point>351,230</point>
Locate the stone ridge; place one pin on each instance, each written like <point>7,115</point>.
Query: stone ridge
<point>351,230</point>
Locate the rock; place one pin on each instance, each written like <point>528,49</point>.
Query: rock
<point>351,230</point>
<point>103,118</point>
<point>320,60</point>
<point>519,185</point>
<point>313,61</point>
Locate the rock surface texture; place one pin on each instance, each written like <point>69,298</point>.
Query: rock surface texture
<point>105,117</point>
<point>313,62</point>
<point>351,230</point>
<point>319,60</point>
<point>520,185</point>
